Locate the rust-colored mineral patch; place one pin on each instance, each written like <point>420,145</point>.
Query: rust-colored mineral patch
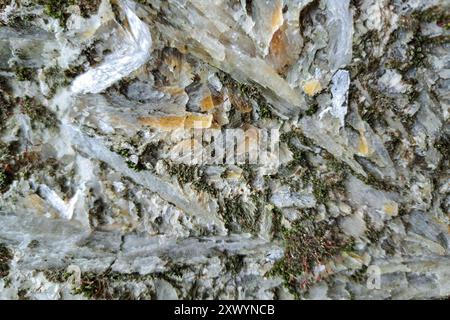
<point>188,121</point>
<point>312,87</point>
<point>277,17</point>
<point>198,121</point>
<point>163,123</point>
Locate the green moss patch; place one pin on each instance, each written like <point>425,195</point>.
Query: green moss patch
<point>5,257</point>
<point>239,215</point>
<point>37,112</point>
<point>307,244</point>
<point>58,8</point>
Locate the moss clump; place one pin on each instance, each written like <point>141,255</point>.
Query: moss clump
<point>247,92</point>
<point>174,271</point>
<point>375,112</point>
<point>298,155</point>
<point>201,185</point>
<point>238,215</point>
<point>434,14</point>
<point>5,258</point>
<point>337,166</point>
<point>87,7</point>
<point>443,145</point>
<point>146,158</point>
<point>33,244</point>
<point>56,9</point>
<point>322,184</point>
<point>19,22</point>
<point>97,213</point>
<point>372,234</point>
<point>4,181</point>
<point>149,156</point>
<point>234,263</point>
<point>307,243</point>
<point>184,173</point>
<point>55,79</point>
<point>320,190</point>
<point>295,133</point>
<point>94,286</point>
<point>73,71</point>
<point>276,223</point>
<point>109,284</point>
<point>6,105</point>
<point>419,45</point>
<point>360,275</point>
<point>125,153</point>
<point>248,173</point>
<point>312,109</point>
<point>37,112</point>
<point>24,73</point>
<point>92,55</point>
<point>16,164</point>
<point>135,166</point>
<point>265,112</point>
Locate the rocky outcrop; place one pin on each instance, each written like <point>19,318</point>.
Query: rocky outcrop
<point>99,100</point>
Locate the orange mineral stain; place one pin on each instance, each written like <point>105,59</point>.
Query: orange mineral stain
<point>163,123</point>
<point>312,87</point>
<point>187,121</point>
<point>277,17</point>
<point>207,103</point>
<point>363,147</point>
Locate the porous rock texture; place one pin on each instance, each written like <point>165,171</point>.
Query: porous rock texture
<point>94,98</point>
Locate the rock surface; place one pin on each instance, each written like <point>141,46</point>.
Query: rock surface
<point>98,99</point>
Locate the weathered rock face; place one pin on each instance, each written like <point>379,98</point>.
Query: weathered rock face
<point>99,99</point>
